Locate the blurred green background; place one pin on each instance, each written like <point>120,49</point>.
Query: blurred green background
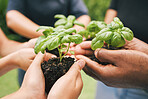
<point>8,82</point>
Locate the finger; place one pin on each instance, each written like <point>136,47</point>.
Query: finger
<point>49,56</point>
<point>90,72</point>
<point>79,83</point>
<point>32,42</point>
<point>79,51</point>
<point>111,56</point>
<point>91,64</point>
<point>100,71</point>
<point>72,45</point>
<point>76,68</point>
<point>86,45</point>
<point>38,59</point>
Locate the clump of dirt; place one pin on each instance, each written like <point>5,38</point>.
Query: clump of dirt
<point>53,69</point>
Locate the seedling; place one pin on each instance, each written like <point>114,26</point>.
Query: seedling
<point>92,29</point>
<point>56,39</point>
<point>114,34</point>
<point>66,23</point>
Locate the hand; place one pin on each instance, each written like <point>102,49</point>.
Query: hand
<point>82,49</point>
<point>136,44</point>
<point>129,70</point>
<point>30,43</point>
<point>33,86</point>
<point>70,85</point>
<point>23,58</point>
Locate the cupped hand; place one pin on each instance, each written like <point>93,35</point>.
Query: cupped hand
<point>129,70</point>
<point>136,44</point>
<point>33,86</point>
<point>34,81</point>
<point>24,57</point>
<point>70,85</point>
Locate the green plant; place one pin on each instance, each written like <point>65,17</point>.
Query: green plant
<point>66,22</point>
<point>56,39</point>
<point>92,29</point>
<point>114,34</point>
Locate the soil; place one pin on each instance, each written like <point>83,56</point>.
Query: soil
<point>105,47</point>
<point>93,57</point>
<point>54,69</point>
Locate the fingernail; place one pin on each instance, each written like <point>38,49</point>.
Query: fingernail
<point>81,63</point>
<point>53,56</point>
<point>97,51</point>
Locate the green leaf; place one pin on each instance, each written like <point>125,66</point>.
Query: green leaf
<point>116,39</point>
<point>78,23</point>
<point>108,41</point>
<point>117,20</point>
<point>53,43</point>
<point>122,42</point>
<point>70,21</point>
<point>45,28</point>
<point>39,43</point>
<point>104,34</point>
<point>72,52</point>
<point>63,46</point>
<point>115,24</point>
<point>66,39</point>
<point>101,25</point>
<point>58,28</point>
<point>96,44</point>
<point>127,33</point>
<point>60,22</point>
<point>59,16</point>
<point>62,50</point>
<point>77,39</point>
<point>84,33</point>
<point>93,27</point>
<point>47,33</point>
<point>70,31</point>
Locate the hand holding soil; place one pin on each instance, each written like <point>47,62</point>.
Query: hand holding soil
<point>136,44</point>
<point>129,69</point>
<point>70,85</point>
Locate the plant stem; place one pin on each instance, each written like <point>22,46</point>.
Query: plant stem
<point>108,46</point>
<point>60,53</point>
<point>65,53</point>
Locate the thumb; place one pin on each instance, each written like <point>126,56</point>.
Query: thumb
<point>111,56</point>
<point>76,68</point>
<point>38,59</point>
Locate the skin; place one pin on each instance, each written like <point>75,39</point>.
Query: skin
<point>74,81</point>
<point>27,28</point>
<point>19,59</point>
<point>129,68</point>
<point>110,14</point>
<point>30,90</point>
<point>10,46</point>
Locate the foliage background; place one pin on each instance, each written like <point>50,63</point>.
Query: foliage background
<point>8,82</point>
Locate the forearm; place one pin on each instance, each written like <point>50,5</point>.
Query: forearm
<point>22,25</point>
<point>110,14</point>
<point>20,95</point>
<point>6,64</point>
<point>85,19</point>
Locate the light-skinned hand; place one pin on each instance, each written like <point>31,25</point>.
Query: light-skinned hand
<point>70,85</point>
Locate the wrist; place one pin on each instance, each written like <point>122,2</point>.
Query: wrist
<point>28,93</point>
<point>14,59</point>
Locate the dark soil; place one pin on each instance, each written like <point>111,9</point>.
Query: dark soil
<point>103,63</point>
<point>53,70</point>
